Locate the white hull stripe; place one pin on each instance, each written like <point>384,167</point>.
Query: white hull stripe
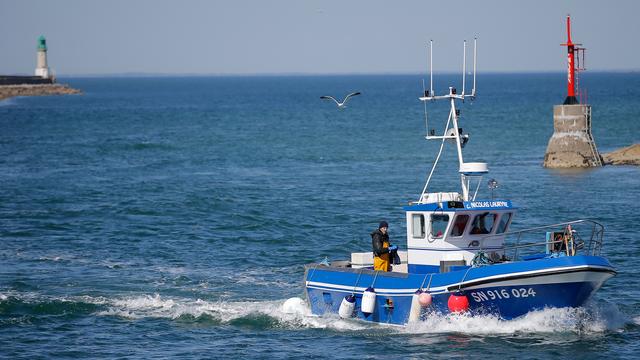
<point>580,276</point>
<point>536,273</point>
<point>470,249</point>
<point>581,273</point>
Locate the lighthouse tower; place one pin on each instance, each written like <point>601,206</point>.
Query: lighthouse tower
<point>572,144</point>
<point>42,69</point>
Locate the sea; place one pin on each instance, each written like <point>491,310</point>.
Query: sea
<point>171,217</point>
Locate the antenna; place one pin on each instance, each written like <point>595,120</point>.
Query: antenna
<point>464,64</point>
<point>452,132</point>
<point>426,120</point>
<point>429,95</point>
<point>473,91</point>
<point>431,67</point>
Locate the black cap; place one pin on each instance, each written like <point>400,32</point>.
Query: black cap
<point>383,224</point>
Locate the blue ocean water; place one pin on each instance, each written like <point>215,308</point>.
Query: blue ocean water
<point>171,217</point>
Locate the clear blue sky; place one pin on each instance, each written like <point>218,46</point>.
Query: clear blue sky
<point>311,36</point>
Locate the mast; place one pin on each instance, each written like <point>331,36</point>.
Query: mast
<point>468,171</point>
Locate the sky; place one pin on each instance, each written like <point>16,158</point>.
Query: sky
<point>229,37</point>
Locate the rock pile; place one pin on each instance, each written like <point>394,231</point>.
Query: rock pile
<point>629,155</point>
<point>7,91</point>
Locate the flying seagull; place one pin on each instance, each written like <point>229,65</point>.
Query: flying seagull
<point>341,105</point>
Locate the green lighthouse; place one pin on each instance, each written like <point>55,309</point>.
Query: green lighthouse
<point>42,69</point>
<point>42,43</point>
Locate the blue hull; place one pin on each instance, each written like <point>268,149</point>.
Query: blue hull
<point>508,290</point>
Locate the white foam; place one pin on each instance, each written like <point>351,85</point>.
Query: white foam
<point>296,315</point>
<point>7,102</point>
<point>584,320</point>
<point>50,258</point>
<point>152,306</point>
<point>294,305</point>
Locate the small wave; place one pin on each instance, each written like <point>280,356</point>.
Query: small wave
<point>147,145</point>
<point>255,314</point>
<point>591,319</point>
<point>279,313</point>
<point>258,278</point>
<point>51,258</point>
<point>113,265</point>
<point>173,308</point>
<point>18,233</point>
<point>140,211</point>
<point>31,305</point>
<point>294,313</point>
<point>7,102</point>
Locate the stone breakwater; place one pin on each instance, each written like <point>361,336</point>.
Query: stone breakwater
<point>7,91</point>
<point>572,144</point>
<point>629,155</point>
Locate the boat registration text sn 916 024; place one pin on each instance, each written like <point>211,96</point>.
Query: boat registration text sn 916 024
<point>486,295</point>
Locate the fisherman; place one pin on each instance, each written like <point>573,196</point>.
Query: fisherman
<point>479,224</point>
<point>382,248</point>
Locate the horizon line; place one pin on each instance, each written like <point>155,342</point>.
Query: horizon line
<point>310,74</point>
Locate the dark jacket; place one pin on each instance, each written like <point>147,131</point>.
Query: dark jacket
<point>377,241</point>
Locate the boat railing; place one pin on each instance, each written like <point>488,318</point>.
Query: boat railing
<point>562,239</point>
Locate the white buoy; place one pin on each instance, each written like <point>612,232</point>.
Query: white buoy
<point>425,299</point>
<point>414,313</point>
<point>347,306</point>
<point>293,305</point>
<point>368,305</point>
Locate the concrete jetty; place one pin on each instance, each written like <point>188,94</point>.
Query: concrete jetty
<point>43,82</point>
<point>572,144</point>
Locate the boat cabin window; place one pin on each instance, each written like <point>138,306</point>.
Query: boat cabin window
<point>439,225</point>
<point>459,224</point>
<point>483,223</point>
<point>504,221</point>
<point>417,226</point>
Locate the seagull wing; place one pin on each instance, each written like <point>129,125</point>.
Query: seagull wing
<point>325,97</point>
<point>349,96</point>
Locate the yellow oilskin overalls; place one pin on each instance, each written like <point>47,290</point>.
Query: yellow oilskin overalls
<point>382,262</point>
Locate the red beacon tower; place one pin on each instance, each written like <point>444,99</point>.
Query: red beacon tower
<point>574,55</point>
<point>572,144</point>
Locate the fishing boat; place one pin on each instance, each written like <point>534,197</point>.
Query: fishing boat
<point>461,255</point>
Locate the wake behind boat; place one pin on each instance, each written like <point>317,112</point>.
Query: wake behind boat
<point>462,256</point>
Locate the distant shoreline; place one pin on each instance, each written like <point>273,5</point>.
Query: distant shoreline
<point>330,74</point>
<point>9,91</point>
